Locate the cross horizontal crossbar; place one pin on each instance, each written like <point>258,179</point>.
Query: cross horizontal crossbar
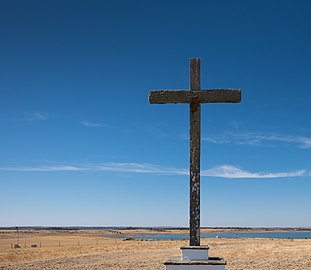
<point>199,96</point>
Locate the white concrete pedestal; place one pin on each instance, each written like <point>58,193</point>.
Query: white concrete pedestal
<point>195,258</point>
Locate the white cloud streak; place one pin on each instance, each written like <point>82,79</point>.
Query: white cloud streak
<point>92,124</point>
<point>260,138</point>
<point>222,171</point>
<point>229,171</point>
<point>35,116</point>
<point>60,168</point>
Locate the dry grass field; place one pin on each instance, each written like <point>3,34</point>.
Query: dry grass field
<point>95,250</point>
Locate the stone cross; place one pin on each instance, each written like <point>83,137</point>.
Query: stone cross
<point>195,96</point>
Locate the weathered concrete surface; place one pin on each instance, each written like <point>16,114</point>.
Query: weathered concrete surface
<point>195,97</point>
<point>195,155</point>
<point>187,96</point>
<point>212,263</point>
<point>194,253</point>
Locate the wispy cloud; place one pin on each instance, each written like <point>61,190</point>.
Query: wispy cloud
<point>93,124</point>
<point>229,171</point>
<point>104,167</point>
<point>222,171</point>
<point>260,138</point>
<point>34,116</point>
<point>139,168</point>
<point>60,168</point>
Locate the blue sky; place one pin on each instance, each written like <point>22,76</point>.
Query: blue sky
<point>81,145</point>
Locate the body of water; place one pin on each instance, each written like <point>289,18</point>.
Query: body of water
<point>283,235</point>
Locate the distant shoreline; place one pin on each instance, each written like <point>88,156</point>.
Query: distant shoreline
<point>149,230</point>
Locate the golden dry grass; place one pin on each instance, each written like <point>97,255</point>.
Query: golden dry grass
<point>255,254</point>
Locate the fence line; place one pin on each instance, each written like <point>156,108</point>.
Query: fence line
<point>65,243</point>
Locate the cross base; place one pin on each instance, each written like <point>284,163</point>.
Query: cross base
<point>195,258</point>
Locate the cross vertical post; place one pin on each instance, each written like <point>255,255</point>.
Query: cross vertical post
<point>195,154</point>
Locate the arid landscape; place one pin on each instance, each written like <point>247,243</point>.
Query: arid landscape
<point>97,250</point>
